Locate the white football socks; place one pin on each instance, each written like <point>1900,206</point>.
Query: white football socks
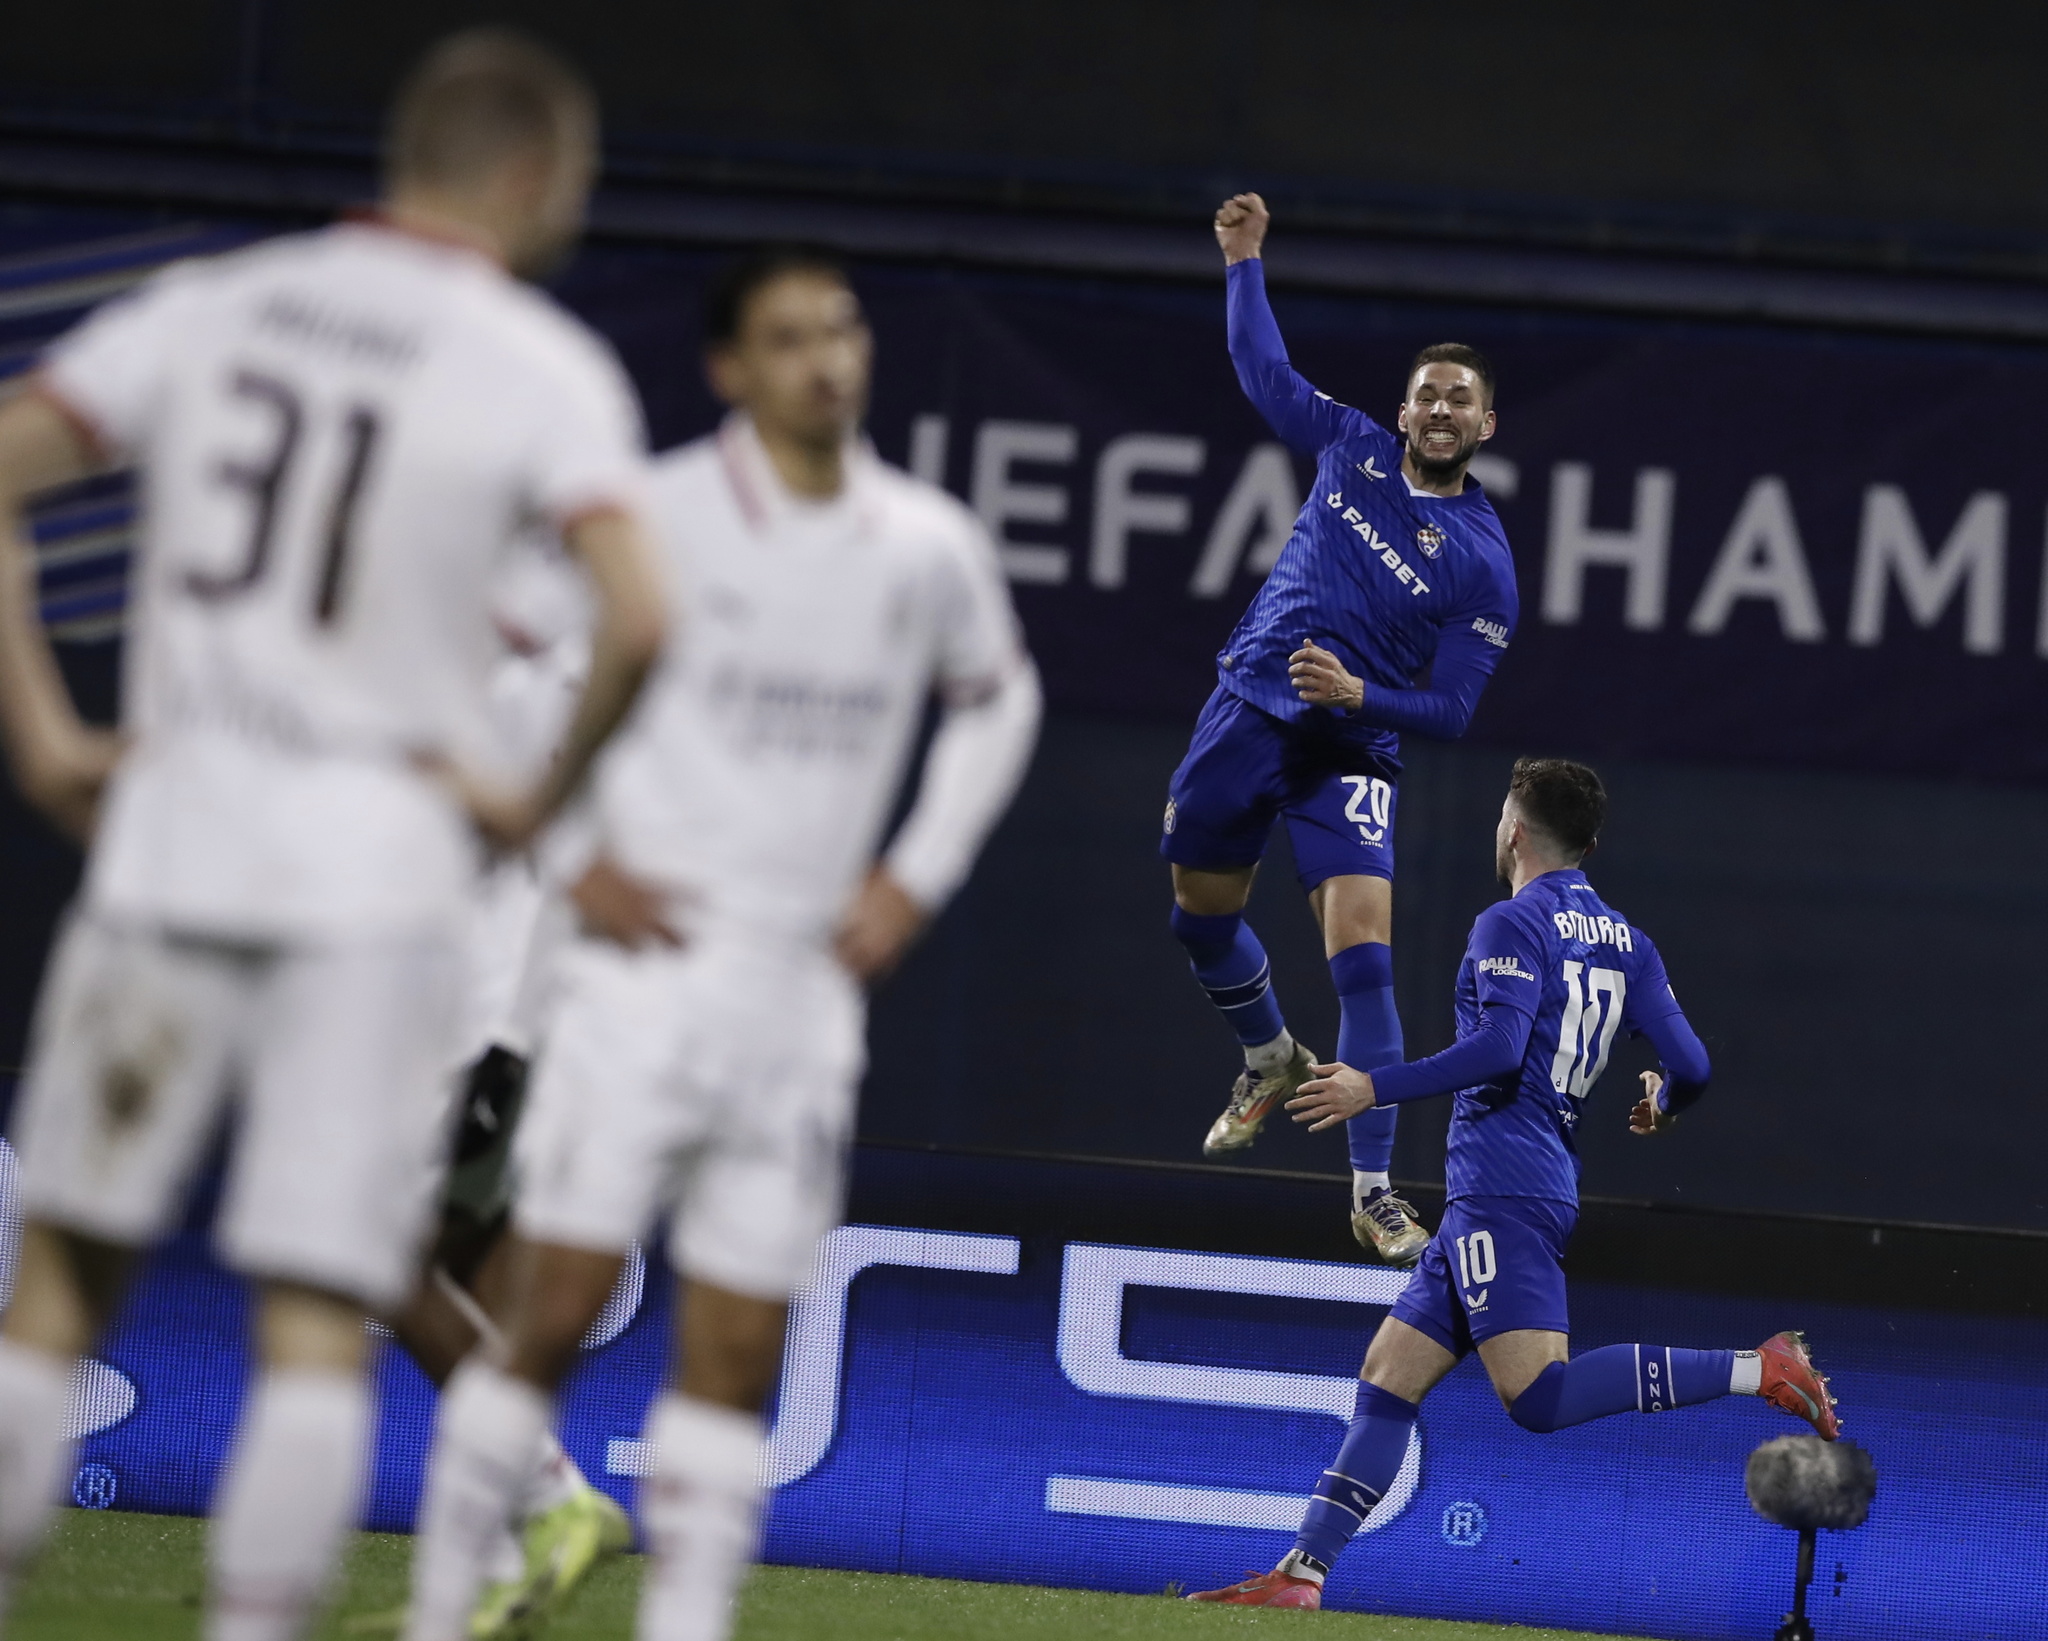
<point>1270,1059</point>
<point>555,1479</point>
<point>35,1456</point>
<point>1363,1184</point>
<point>288,1502</point>
<point>490,1427</point>
<point>1747,1379</point>
<point>701,1511</point>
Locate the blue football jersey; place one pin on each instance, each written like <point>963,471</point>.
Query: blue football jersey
<point>1378,575</point>
<point>1560,953</point>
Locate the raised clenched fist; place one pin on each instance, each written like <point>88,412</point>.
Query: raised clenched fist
<point>1241,223</point>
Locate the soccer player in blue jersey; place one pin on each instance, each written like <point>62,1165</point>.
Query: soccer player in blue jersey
<point>1550,977</point>
<point>1397,566</point>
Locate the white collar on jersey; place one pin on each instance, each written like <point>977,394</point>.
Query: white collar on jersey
<point>765,501</point>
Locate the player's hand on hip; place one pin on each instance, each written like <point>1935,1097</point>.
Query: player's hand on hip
<point>67,777</point>
<point>1241,223</point>
<point>1335,1094</point>
<point>1650,1115</point>
<point>881,926</point>
<point>616,906</point>
<point>1321,680</point>
<point>505,820</point>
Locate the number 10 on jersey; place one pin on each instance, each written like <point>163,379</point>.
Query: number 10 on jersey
<point>1592,1014</point>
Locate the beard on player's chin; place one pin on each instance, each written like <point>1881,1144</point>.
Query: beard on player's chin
<point>1439,465</point>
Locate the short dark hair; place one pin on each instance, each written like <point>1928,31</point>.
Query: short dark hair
<point>479,96</point>
<point>1457,353</point>
<point>1562,800</point>
<point>739,282</point>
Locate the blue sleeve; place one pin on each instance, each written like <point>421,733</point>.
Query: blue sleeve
<point>1507,959</point>
<point>1469,647</point>
<point>1307,420</point>
<point>1654,1013</point>
<point>1490,1053</point>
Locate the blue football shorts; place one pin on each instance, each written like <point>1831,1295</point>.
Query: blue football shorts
<point>1245,769</point>
<point>1495,1265</point>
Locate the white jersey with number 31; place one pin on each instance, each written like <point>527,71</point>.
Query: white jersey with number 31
<point>340,436</point>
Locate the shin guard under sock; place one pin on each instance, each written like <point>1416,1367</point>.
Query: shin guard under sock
<point>1368,1037</point>
<point>1623,1379</point>
<point>288,1503</point>
<point>1232,967</point>
<point>1358,1478</point>
<point>702,1510</point>
<point>35,1455</point>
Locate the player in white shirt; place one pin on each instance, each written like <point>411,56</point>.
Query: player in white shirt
<point>565,1527</point>
<point>340,436</point>
<point>706,1046</point>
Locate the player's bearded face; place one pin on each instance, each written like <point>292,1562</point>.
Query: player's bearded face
<point>1445,418</point>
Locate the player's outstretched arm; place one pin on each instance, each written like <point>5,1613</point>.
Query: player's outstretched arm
<point>1490,1052</point>
<point>625,642</point>
<point>1241,224</point>
<point>1307,420</point>
<point>59,762</point>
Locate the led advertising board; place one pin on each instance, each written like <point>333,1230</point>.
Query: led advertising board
<point>1130,1418</point>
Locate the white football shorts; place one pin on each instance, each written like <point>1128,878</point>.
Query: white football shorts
<point>717,1082</point>
<point>333,1058</point>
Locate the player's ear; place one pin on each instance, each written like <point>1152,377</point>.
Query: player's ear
<point>1486,427</point>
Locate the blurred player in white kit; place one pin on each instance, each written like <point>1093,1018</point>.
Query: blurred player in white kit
<point>706,1046</point>
<point>564,1526</point>
<point>341,434</point>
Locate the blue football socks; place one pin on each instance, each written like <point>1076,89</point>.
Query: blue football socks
<point>1233,970</point>
<point>1358,1478</point>
<point>1368,1036</point>
<point>1622,1379</point>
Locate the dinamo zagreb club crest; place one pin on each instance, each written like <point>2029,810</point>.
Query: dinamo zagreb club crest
<point>1430,539</point>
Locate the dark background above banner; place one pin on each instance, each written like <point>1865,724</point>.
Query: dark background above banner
<point>1853,943</point>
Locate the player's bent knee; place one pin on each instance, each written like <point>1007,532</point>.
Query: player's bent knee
<point>1221,892</point>
<point>1535,1409</point>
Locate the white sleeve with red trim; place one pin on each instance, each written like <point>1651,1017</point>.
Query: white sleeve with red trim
<point>992,703</point>
<point>110,372</point>
<point>590,446</point>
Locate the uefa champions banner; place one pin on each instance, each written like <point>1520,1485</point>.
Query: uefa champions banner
<point>1127,1418</point>
<point>1733,542</point>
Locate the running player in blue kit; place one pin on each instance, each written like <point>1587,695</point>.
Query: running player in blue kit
<point>1397,566</point>
<point>1550,977</point>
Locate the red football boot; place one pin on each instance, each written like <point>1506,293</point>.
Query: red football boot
<point>1274,1589</point>
<point>1792,1384</point>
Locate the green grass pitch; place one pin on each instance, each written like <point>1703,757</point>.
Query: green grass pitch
<point>110,1576</point>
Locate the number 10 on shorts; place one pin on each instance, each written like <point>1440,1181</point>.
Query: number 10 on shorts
<point>1475,1259</point>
